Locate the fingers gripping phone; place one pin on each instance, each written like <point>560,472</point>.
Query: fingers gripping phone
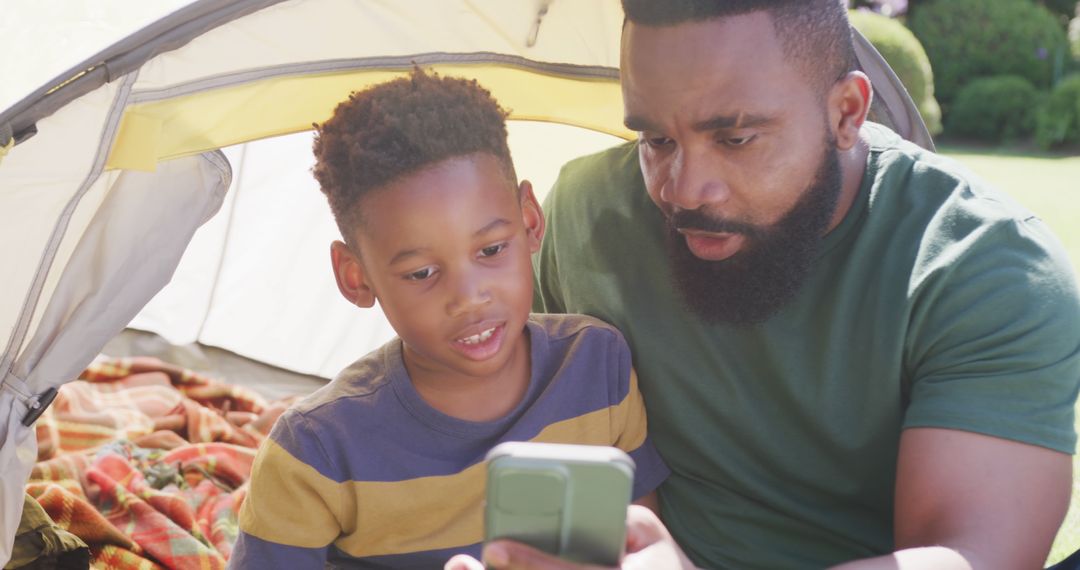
<point>567,500</point>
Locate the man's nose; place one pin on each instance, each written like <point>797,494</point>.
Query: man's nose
<point>695,180</point>
<point>470,292</point>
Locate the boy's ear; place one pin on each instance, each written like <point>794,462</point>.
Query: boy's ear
<point>532,215</point>
<point>349,273</point>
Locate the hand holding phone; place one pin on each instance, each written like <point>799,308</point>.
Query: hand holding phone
<point>567,500</point>
<point>650,547</point>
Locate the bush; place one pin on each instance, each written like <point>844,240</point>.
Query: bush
<point>906,56</point>
<point>1064,9</point>
<point>1074,37</point>
<point>994,109</point>
<point>966,39</point>
<point>1058,119</point>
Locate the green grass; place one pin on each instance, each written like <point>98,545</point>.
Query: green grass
<point>1049,185</point>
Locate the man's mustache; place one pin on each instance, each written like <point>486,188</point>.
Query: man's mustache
<point>700,221</point>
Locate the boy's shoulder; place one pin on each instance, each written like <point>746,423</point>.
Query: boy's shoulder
<point>364,379</point>
<point>575,328</point>
<point>583,362</point>
<point>578,342</point>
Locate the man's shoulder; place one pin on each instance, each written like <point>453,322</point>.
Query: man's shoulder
<point>621,155</point>
<point>598,173</point>
<point>912,184</point>
<point>895,162</point>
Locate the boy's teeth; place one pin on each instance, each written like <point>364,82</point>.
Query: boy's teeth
<point>478,338</point>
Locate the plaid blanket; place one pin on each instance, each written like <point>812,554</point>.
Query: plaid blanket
<point>148,463</point>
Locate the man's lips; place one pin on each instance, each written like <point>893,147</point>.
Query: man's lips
<point>713,246</point>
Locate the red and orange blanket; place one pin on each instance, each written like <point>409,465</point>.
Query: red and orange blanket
<point>148,462</point>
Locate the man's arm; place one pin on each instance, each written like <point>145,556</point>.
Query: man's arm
<point>651,502</point>
<point>649,546</point>
<point>965,500</point>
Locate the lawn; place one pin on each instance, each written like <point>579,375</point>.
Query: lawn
<point>1050,187</point>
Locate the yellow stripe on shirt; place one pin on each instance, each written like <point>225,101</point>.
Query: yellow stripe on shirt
<point>373,518</point>
<point>292,503</point>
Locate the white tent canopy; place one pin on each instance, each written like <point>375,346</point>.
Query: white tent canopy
<point>108,170</point>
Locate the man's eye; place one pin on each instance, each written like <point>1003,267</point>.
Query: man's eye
<point>421,274</point>
<point>656,142</point>
<point>492,250</point>
<point>738,141</point>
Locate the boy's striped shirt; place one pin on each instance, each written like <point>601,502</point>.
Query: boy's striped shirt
<point>367,474</point>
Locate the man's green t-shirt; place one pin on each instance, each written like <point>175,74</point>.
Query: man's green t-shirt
<point>937,302</point>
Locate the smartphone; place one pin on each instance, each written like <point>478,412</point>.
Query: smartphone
<point>566,500</point>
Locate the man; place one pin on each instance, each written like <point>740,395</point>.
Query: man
<point>850,350</point>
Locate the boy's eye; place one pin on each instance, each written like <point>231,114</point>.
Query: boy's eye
<point>492,250</point>
<point>420,274</point>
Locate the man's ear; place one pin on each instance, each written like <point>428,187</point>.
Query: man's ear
<point>532,215</point>
<point>350,276</point>
<point>849,103</point>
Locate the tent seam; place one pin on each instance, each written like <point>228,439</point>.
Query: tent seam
<point>403,62</point>
<point>124,57</point>
<point>18,387</point>
<point>239,173</point>
<point>48,256</point>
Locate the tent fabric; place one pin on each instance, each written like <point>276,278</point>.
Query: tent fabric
<point>109,170</point>
<point>254,255</point>
<point>324,30</point>
<point>891,104</point>
<point>193,119</point>
<point>144,220</point>
<point>38,191</point>
<point>117,60</point>
<point>250,273</point>
<point>78,319</point>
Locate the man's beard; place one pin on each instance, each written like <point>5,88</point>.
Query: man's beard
<point>756,282</point>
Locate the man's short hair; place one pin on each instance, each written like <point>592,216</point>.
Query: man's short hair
<point>398,128</point>
<point>814,34</point>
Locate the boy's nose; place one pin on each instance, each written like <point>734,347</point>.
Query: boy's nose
<point>470,294</point>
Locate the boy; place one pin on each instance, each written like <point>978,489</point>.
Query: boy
<point>383,467</point>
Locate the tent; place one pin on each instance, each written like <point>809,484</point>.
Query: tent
<point>203,117</point>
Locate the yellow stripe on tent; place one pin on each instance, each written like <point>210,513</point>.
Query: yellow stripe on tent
<point>143,156</point>
<point>190,124</point>
<point>4,149</point>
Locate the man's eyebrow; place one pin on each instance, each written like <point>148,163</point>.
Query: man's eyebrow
<point>638,124</point>
<point>740,121</point>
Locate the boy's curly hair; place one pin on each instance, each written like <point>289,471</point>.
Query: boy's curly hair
<point>399,127</point>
